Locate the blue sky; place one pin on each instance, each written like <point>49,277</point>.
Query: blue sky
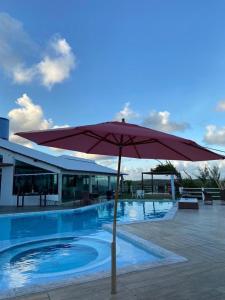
<point>163,61</point>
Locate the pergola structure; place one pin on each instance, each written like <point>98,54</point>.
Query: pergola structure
<point>165,173</point>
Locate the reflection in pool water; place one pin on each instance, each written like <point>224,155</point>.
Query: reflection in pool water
<point>77,221</point>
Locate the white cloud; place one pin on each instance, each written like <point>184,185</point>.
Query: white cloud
<point>102,159</point>
<point>215,135</point>
<point>22,74</point>
<point>220,105</point>
<point>127,113</point>
<point>15,44</point>
<point>191,168</point>
<point>53,68</point>
<point>160,120</point>
<point>18,53</point>
<point>56,69</point>
<point>132,172</point>
<point>28,116</point>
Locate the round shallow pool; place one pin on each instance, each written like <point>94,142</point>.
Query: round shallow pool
<point>62,255</point>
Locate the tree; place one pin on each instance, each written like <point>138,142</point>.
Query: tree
<point>210,177</point>
<point>203,176</point>
<point>167,167</point>
<point>214,175</point>
<point>188,181</point>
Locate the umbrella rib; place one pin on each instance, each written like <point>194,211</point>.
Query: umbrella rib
<point>115,138</point>
<point>86,132</point>
<point>98,142</point>
<point>130,139</point>
<point>199,147</point>
<point>141,142</point>
<point>63,137</point>
<point>136,150</point>
<point>178,152</point>
<point>99,137</point>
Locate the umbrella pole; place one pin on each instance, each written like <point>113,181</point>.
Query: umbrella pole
<point>113,245</point>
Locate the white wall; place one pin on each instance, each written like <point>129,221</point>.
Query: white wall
<point>6,197</point>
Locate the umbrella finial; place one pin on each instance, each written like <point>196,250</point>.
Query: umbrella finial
<point>123,120</point>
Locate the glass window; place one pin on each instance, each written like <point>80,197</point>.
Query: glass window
<point>32,179</point>
<point>113,182</point>
<point>101,185</point>
<point>24,168</point>
<point>73,186</point>
<point>69,183</point>
<point>44,183</point>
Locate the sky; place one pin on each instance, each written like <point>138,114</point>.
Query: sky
<point>157,63</point>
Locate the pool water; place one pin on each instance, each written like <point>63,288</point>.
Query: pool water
<point>38,249</point>
<point>54,256</point>
<point>78,221</point>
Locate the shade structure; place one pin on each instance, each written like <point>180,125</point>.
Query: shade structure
<point>121,139</point>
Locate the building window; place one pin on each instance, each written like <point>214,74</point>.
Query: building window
<point>24,168</point>
<point>101,185</point>
<point>46,184</point>
<point>31,179</point>
<point>69,183</point>
<point>73,186</point>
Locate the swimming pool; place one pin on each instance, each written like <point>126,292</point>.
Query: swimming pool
<point>82,221</point>
<point>54,247</point>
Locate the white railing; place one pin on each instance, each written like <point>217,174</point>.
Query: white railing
<point>147,188</point>
<point>198,192</point>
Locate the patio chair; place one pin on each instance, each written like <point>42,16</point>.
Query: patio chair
<point>140,194</point>
<point>207,198</point>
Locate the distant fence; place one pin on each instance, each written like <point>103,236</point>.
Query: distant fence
<point>197,192</point>
<point>163,189</point>
<point>147,188</point>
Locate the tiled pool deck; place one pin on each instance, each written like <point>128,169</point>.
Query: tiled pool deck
<point>198,235</point>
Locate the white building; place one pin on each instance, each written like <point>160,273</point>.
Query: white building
<point>28,172</point>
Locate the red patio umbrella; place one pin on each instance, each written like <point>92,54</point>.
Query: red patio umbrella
<point>121,139</point>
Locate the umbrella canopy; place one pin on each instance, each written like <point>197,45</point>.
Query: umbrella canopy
<point>135,141</point>
<point>121,139</point>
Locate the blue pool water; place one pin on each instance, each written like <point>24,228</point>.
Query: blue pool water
<point>55,256</point>
<point>78,221</point>
<point>48,247</point>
